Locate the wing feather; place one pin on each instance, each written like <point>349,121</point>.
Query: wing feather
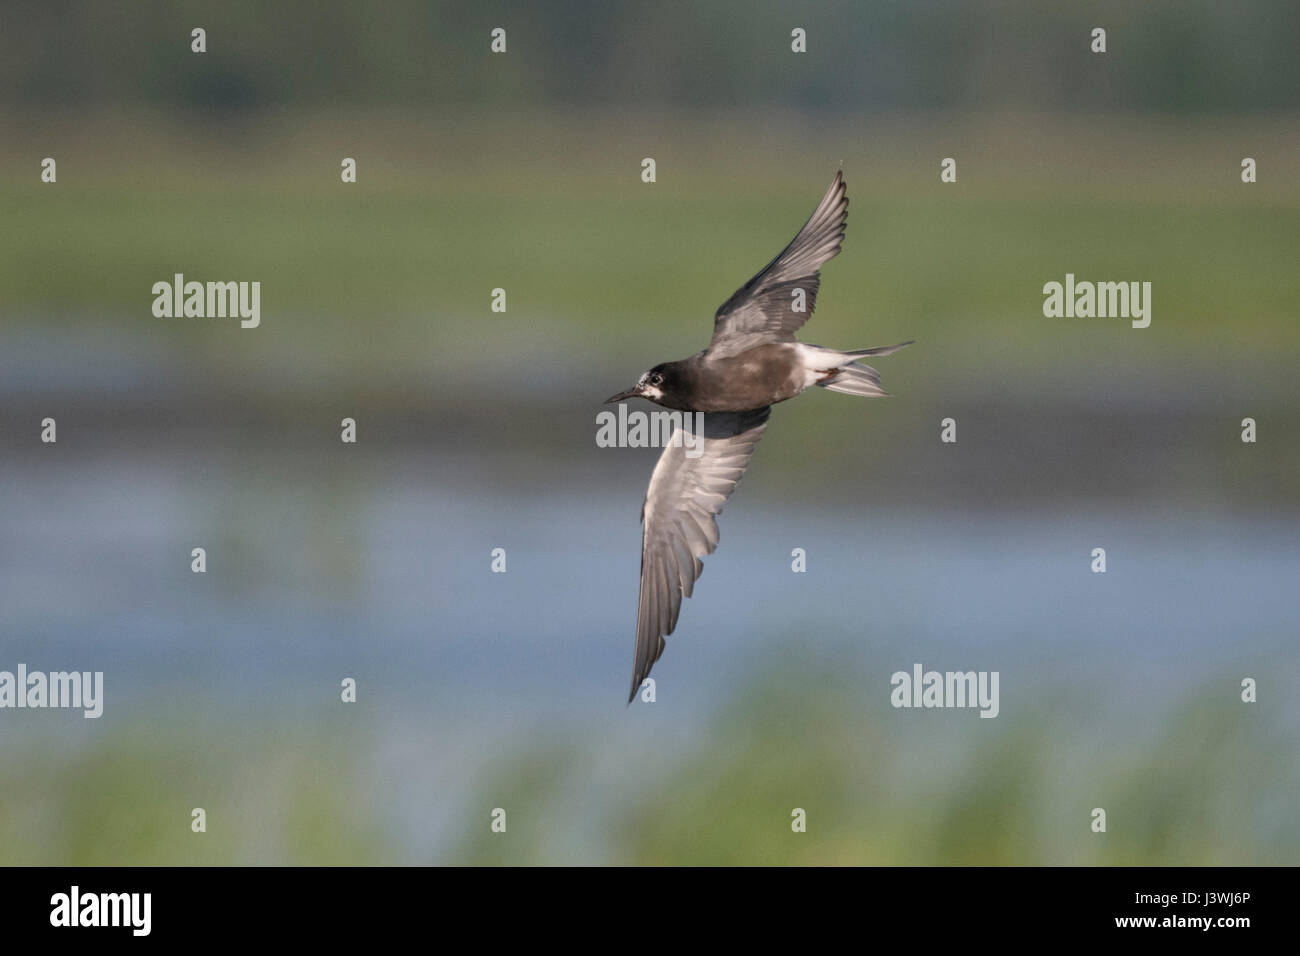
<point>680,524</point>
<point>762,310</point>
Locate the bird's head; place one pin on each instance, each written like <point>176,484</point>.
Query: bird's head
<point>650,385</point>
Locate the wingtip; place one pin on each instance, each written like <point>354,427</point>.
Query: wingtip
<point>841,189</point>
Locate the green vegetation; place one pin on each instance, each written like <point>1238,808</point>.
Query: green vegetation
<point>1199,784</point>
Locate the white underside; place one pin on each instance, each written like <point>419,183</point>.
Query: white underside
<point>817,361</point>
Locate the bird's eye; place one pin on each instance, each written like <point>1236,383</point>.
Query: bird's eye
<point>656,379</point>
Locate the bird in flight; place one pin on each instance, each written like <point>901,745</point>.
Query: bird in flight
<point>752,362</point>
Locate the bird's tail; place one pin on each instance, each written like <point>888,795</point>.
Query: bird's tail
<point>881,350</point>
<point>853,378</point>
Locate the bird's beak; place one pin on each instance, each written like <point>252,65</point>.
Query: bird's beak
<point>630,393</point>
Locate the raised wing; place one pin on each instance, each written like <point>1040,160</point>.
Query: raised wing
<point>763,309</point>
<point>684,496</point>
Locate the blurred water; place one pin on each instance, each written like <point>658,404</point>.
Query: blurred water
<point>307,579</point>
<point>379,569</point>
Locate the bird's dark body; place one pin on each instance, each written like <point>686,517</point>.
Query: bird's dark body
<point>760,376</point>
<point>753,362</point>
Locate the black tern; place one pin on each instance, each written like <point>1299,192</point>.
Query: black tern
<point>752,362</point>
